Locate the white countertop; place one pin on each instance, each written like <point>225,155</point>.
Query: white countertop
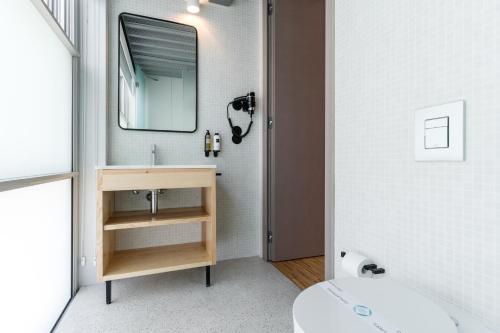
<point>119,167</point>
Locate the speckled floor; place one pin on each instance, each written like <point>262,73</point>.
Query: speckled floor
<point>248,295</point>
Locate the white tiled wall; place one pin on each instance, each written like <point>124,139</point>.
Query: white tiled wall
<point>434,225</point>
<point>229,60</point>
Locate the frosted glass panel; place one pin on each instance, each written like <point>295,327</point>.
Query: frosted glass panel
<point>35,94</point>
<point>35,248</point>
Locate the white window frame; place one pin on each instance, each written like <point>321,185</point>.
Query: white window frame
<point>64,26</point>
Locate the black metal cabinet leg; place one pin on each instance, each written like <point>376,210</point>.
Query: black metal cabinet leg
<point>207,275</point>
<point>108,292</point>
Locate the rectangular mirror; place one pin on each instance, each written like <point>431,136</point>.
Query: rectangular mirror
<point>157,75</point>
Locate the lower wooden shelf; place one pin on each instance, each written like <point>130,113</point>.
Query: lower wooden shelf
<point>153,260</point>
<point>141,219</point>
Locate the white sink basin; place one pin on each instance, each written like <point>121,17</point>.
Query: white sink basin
<point>118,167</point>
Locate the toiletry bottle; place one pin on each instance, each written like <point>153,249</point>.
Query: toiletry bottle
<point>216,144</point>
<point>208,143</point>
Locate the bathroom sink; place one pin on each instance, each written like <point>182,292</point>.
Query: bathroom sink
<point>167,166</point>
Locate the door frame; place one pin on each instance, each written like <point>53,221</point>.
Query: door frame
<point>329,135</point>
<point>265,114</point>
<point>329,139</point>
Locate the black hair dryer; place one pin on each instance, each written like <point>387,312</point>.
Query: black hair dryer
<point>247,104</point>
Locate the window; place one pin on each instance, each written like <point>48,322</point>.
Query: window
<point>35,247</point>
<point>37,152</point>
<point>63,12</point>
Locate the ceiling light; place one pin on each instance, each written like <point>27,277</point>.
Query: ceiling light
<point>193,6</point>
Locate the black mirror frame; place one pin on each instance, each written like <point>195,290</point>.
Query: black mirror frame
<point>120,20</point>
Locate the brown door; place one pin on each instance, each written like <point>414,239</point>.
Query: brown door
<point>296,137</point>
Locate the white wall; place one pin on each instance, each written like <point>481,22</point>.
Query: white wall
<point>229,60</point>
<point>434,226</point>
<point>92,125</point>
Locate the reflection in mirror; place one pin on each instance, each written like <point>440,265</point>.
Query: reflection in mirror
<point>157,75</point>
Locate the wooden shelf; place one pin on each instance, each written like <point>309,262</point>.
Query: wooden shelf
<point>113,264</point>
<point>153,260</point>
<point>141,219</point>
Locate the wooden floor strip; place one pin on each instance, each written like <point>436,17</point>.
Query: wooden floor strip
<point>303,272</point>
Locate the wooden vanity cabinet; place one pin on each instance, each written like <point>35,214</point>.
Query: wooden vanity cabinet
<point>115,264</point>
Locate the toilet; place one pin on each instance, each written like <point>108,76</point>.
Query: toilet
<point>361,305</point>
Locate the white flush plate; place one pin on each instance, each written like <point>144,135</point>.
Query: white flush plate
<point>439,132</point>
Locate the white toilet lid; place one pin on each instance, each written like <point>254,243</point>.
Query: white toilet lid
<point>359,305</point>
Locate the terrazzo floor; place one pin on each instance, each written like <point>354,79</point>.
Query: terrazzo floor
<point>247,295</point>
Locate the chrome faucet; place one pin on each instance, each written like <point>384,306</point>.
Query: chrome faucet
<point>154,202</point>
<point>153,154</point>
<point>154,193</point>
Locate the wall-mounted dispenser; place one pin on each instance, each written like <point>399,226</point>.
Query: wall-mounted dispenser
<point>208,143</point>
<point>217,144</point>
